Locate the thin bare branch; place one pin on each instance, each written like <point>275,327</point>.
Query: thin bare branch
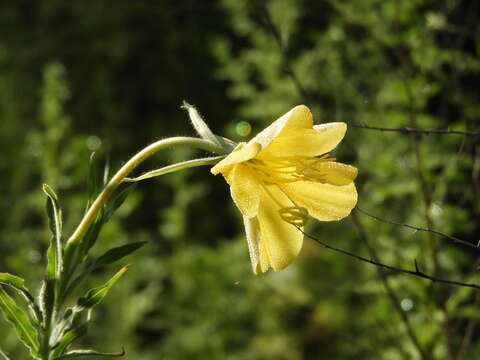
<point>411,130</point>
<point>388,288</point>
<point>416,273</point>
<point>416,228</point>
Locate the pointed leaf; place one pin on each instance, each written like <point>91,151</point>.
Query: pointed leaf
<point>117,201</point>
<point>80,353</point>
<point>95,177</point>
<point>96,295</point>
<point>19,284</point>
<point>17,317</point>
<point>46,299</point>
<point>116,254</point>
<point>54,253</point>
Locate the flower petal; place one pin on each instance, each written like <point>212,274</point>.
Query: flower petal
<point>281,242</point>
<point>315,141</point>
<point>324,202</point>
<point>252,230</point>
<point>297,118</point>
<point>243,152</point>
<point>245,190</point>
<point>331,172</point>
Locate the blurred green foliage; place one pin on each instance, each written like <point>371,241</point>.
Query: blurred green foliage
<point>110,76</point>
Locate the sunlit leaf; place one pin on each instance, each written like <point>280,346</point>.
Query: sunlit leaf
<point>19,319</point>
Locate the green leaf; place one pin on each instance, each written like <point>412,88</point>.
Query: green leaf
<point>19,319</point>
<point>80,353</point>
<point>46,299</point>
<point>90,237</point>
<point>68,338</point>
<point>54,252</point>
<point>96,295</point>
<point>117,201</point>
<point>116,254</point>
<point>19,284</point>
<point>96,176</point>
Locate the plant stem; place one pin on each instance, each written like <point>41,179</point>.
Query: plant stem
<point>126,169</point>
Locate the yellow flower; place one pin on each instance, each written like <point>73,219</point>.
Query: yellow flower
<point>282,175</point>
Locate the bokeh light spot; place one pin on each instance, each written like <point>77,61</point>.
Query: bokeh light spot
<point>406,304</point>
<point>93,143</point>
<point>243,128</point>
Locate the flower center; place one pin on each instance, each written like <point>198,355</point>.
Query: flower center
<point>278,170</point>
<point>295,215</point>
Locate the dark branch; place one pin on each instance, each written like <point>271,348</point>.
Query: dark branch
<point>416,273</point>
<point>410,130</point>
<point>416,228</point>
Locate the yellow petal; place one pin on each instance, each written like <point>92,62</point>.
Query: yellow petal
<point>243,152</point>
<point>307,142</point>
<point>330,172</point>
<point>324,202</point>
<point>281,242</point>
<point>297,118</point>
<point>252,230</point>
<point>245,190</point>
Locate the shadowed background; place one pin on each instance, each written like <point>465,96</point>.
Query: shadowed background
<point>110,76</point>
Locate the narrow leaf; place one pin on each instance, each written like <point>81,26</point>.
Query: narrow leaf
<point>95,177</point>
<point>117,201</point>
<point>90,237</point>
<point>96,295</point>
<point>46,299</point>
<point>17,317</point>
<point>116,254</point>
<point>54,253</point>
<point>19,284</point>
<point>79,353</point>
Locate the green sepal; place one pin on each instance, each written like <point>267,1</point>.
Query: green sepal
<point>79,353</point>
<point>18,284</point>
<point>54,252</point>
<point>26,332</point>
<point>96,295</point>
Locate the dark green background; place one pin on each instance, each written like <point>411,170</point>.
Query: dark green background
<point>77,76</point>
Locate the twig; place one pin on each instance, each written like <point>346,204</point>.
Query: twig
<point>416,273</point>
<point>412,130</point>
<point>390,291</point>
<point>454,239</point>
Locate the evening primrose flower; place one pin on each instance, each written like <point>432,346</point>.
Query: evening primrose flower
<point>281,176</point>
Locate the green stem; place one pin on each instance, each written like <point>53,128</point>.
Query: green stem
<point>126,169</point>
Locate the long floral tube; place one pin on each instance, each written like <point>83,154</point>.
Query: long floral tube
<point>126,169</point>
